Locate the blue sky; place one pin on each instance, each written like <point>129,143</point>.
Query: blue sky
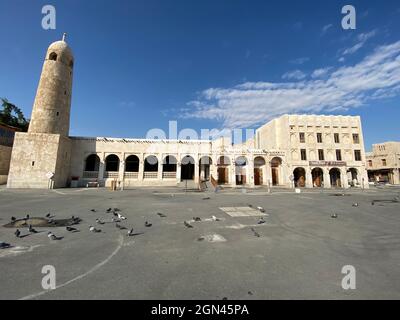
<point>209,64</point>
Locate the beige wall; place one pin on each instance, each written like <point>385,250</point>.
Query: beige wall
<point>5,158</point>
<point>33,156</point>
<point>384,160</point>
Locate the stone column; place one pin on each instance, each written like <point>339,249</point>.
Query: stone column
<point>344,178</point>
<point>196,171</point>
<point>121,173</point>
<point>250,173</point>
<point>101,167</point>
<point>178,171</point>
<point>309,182</point>
<point>327,178</point>
<point>160,167</point>
<point>141,167</point>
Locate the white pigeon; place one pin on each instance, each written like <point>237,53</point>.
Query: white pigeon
<point>93,229</point>
<point>130,233</point>
<point>214,218</point>
<point>51,236</point>
<point>121,217</point>
<point>261,209</point>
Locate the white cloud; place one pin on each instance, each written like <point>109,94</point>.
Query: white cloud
<point>320,72</point>
<point>326,28</point>
<point>300,60</point>
<point>362,39</point>
<point>377,76</point>
<point>294,75</point>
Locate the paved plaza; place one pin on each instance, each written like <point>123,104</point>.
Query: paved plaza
<point>298,253</point>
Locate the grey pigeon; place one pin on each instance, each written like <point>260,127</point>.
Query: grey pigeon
<point>261,221</point>
<point>93,210</point>
<point>71,229</point>
<point>109,210</point>
<point>355,204</point>
<point>98,221</point>
<point>147,224</point>
<point>334,215</point>
<point>187,224</point>
<point>214,218</point>
<point>17,233</point>
<point>48,215</point>
<point>261,209</point>
<point>255,232</point>
<point>161,215</point>
<point>196,219</point>
<point>31,230</point>
<point>4,245</point>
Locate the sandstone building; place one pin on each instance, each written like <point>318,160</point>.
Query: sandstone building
<point>383,163</point>
<point>293,150</point>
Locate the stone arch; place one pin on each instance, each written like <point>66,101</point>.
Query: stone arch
<point>223,164</point>
<point>317,177</point>
<point>259,168</point>
<point>112,163</point>
<point>299,177</point>
<point>353,177</point>
<point>151,164</point>
<point>335,177</point>
<point>204,167</point>
<point>187,168</point>
<point>132,164</point>
<point>170,164</point>
<point>240,170</point>
<point>92,163</point>
<point>276,170</point>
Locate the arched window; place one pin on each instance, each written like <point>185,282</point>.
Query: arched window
<point>53,56</point>
<point>169,164</point>
<point>92,163</point>
<point>112,163</point>
<point>151,164</point>
<point>132,164</point>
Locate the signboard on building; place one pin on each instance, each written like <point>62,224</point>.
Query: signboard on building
<point>327,163</point>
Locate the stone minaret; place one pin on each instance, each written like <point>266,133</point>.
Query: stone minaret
<point>51,109</point>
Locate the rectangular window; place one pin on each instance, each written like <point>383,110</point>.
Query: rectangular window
<point>321,155</point>
<point>369,163</point>
<point>337,140</point>
<point>303,154</point>
<point>384,162</point>
<point>338,155</point>
<point>356,138</point>
<point>302,137</point>
<point>319,137</point>
<point>357,155</point>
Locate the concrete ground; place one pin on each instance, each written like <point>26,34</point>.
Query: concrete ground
<point>299,254</point>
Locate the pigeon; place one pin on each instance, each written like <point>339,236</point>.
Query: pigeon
<point>187,224</point>
<point>196,219</point>
<point>261,209</point>
<point>261,221</point>
<point>130,233</point>
<point>13,219</point>
<point>250,206</point>
<point>147,224</point>
<point>372,203</point>
<point>355,204</point>
<point>17,233</point>
<point>161,215</point>
<point>334,215</point>
<point>48,215</point>
<point>4,245</point>
<point>52,236</point>
<point>115,214</point>
<point>98,221</point>
<point>206,198</point>
<point>31,230</point>
<point>93,229</point>
<point>109,210</point>
<point>71,229</point>
<point>117,210</point>
<point>255,232</point>
<point>121,217</point>
<point>120,227</point>
<point>93,210</point>
<point>214,218</point>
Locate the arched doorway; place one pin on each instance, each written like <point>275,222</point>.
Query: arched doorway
<point>334,174</point>
<point>276,164</point>
<point>352,176</point>
<point>259,164</point>
<point>299,175</point>
<point>240,170</point>
<point>205,163</point>
<point>92,165</point>
<point>169,167</point>
<point>187,168</point>
<point>223,164</point>
<point>111,166</point>
<point>317,177</point>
